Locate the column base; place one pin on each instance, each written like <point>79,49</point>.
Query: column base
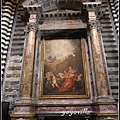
<point>24,109</point>
<point>22,117</point>
<point>106,99</point>
<point>105,107</point>
<point>25,100</point>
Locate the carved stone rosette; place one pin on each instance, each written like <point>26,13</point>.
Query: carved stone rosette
<point>27,75</point>
<point>98,58</point>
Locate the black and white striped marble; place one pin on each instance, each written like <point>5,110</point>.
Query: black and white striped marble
<point>8,13</point>
<point>114,5</point>
<point>11,83</point>
<point>110,49</point>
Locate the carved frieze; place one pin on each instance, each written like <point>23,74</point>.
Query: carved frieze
<point>62,24</point>
<point>108,108</point>
<point>24,109</point>
<point>58,4</point>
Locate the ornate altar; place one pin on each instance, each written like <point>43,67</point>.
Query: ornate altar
<point>64,71</point>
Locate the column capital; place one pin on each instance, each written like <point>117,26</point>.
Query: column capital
<point>31,27</point>
<point>94,24</point>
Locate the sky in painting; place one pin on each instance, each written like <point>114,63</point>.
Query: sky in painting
<point>58,49</point>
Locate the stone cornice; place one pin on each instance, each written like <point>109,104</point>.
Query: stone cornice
<point>64,15</point>
<point>51,9</point>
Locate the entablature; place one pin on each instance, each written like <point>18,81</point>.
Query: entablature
<point>63,9</point>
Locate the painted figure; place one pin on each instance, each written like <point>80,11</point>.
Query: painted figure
<point>54,82</point>
<point>68,84</point>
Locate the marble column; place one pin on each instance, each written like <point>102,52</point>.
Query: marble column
<point>98,59</point>
<point>28,65</point>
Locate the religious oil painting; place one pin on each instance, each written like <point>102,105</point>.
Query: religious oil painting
<point>64,69</point>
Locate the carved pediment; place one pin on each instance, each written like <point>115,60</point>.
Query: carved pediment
<point>50,5</point>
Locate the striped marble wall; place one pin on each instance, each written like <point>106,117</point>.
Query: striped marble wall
<point>110,47</point>
<point>11,83</point>
<point>8,13</point>
<point>114,6</point>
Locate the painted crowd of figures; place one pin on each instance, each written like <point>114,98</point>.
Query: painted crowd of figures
<point>69,80</point>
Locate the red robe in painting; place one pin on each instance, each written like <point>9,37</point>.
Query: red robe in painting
<point>68,82</point>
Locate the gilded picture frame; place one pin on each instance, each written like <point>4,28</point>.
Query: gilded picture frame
<point>64,69</point>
